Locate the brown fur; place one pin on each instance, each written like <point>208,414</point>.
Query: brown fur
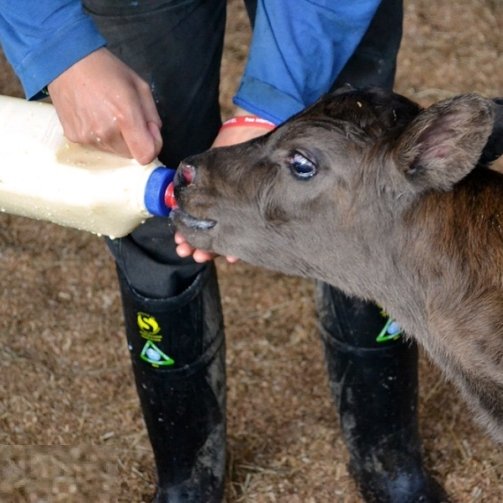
<point>399,211</point>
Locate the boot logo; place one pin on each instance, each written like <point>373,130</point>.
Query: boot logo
<point>151,330</point>
<point>152,354</point>
<point>149,327</point>
<point>390,332</point>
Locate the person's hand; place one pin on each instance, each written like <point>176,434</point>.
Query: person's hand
<point>183,249</point>
<point>227,136</point>
<point>102,102</point>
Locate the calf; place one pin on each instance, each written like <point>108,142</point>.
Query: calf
<point>388,202</point>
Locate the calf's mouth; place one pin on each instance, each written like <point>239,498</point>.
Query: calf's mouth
<point>201,224</point>
<point>184,178</point>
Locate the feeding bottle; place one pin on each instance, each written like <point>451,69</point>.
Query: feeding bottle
<point>46,177</point>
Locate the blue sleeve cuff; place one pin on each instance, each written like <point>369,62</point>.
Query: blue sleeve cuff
<point>264,100</point>
<point>48,60</point>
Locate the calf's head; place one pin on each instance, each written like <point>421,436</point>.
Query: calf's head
<point>330,182</point>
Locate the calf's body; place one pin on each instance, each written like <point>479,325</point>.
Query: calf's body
<point>388,202</point>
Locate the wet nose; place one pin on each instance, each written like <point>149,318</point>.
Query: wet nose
<point>185,176</point>
<point>187,173</point>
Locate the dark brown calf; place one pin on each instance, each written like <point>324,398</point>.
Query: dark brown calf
<point>388,202</point>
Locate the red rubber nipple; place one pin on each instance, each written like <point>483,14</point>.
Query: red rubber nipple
<point>169,197</point>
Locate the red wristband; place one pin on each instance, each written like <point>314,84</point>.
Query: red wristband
<point>248,120</point>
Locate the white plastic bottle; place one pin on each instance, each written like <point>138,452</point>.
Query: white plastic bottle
<point>46,177</point>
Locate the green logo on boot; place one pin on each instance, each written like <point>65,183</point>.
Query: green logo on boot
<point>390,332</point>
<point>152,354</point>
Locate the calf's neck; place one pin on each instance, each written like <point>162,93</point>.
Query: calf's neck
<point>384,200</point>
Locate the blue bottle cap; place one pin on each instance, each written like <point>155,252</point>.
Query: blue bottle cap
<point>157,184</point>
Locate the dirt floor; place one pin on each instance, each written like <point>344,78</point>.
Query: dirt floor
<point>70,426</point>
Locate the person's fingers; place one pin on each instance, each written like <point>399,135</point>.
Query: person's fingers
<point>202,256</point>
<point>132,138</point>
<point>179,238</point>
<point>137,135</point>
<point>107,137</point>
<point>148,104</point>
<point>141,127</point>
<point>184,250</point>
<point>155,131</point>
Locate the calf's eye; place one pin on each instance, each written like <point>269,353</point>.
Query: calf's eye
<point>302,167</point>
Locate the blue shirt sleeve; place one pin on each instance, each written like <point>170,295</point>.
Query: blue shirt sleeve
<point>43,38</point>
<point>298,49</point>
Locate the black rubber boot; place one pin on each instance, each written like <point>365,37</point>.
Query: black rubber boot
<point>178,354</point>
<point>373,377</point>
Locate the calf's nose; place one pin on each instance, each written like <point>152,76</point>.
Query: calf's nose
<point>187,172</point>
<point>185,175</point>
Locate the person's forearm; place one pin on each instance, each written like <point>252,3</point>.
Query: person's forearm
<point>42,39</point>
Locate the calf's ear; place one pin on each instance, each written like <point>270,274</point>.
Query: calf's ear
<point>444,142</point>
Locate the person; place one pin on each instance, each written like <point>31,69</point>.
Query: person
<point>141,78</point>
